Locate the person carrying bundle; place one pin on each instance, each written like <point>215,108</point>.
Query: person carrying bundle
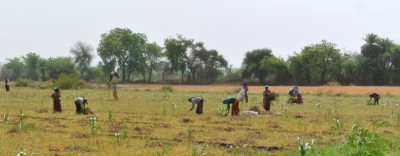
<point>199,101</point>
<point>235,106</point>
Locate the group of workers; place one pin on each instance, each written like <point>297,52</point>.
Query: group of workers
<point>268,97</point>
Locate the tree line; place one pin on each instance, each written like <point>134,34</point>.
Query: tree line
<point>182,60</point>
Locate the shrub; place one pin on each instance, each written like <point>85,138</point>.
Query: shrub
<point>45,85</point>
<point>167,88</point>
<point>22,83</point>
<point>363,142</point>
<point>70,81</point>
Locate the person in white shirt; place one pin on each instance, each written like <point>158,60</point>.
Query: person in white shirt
<point>80,104</point>
<point>199,101</point>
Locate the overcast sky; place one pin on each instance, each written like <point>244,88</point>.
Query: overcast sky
<point>232,27</point>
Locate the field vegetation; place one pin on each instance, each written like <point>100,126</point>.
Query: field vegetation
<point>155,122</point>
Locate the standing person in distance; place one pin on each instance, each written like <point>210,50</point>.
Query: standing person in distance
<point>267,98</point>
<point>114,79</point>
<point>6,85</point>
<point>56,100</point>
<point>246,89</point>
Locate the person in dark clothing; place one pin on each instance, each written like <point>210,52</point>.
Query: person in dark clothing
<point>376,98</point>
<point>6,85</point>
<point>56,100</point>
<point>246,89</point>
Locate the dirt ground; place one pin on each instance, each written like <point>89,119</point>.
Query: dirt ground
<point>395,90</point>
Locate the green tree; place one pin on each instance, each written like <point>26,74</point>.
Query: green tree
<point>175,49</point>
<point>122,48</point>
<point>252,64</point>
<point>31,61</point>
<point>317,64</point>
<point>277,70</point>
<point>83,56</point>
<point>42,66</point>
<point>58,65</point>
<point>153,55</point>
<point>13,68</point>
<point>196,58</point>
<point>213,66</point>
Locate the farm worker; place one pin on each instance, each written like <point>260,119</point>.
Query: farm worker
<point>246,89</point>
<point>295,95</point>
<point>376,97</point>
<point>6,85</point>
<point>114,79</point>
<point>266,98</point>
<point>199,101</point>
<point>56,100</point>
<point>235,106</point>
<point>80,104</point>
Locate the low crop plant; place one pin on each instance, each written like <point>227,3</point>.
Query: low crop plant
<point>339,124</point>
<point>110,116</point>
<point>5,118</point>
<point>22,152</point>
<point>376,124</point>
<point>173,106</point>
<point>93,125</point>
<point>21,118</point>
<point>202,151</point>
<point>222,111</point>
<point>190,133</point>
<point>363,142</point>
<point>304,147</point>
<point>163,151</point>
<point>117,138</point>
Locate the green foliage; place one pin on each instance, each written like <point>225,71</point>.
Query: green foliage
<point>31,61</point>
<point>23,83</point>
<point>167,88</point>
<point>362,142</point>
<point>13,69</point>
<point>45,85</point>
<point>59,65</point>
<point>252,66</point>
<point>82,56</point>
<point>124,48</point>
<point>70,81</point>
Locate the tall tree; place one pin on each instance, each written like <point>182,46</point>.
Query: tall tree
<point>371,48</point>
<point>83,56</point>
<point>252,64</point>
<point>317,64</point>
<point>31,61</point>
<point>123,48</point>
<point>213,65</point>
<point>277,70</point>
<point>13,68</point>
<point>175,50</point>
<point>58,65</point>
<point>153,54</point>
<point>196,58</point>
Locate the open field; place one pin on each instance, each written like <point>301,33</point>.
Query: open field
<point>151,122</point>
<point>280,89</point>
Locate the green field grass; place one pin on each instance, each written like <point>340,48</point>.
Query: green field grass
<point>148,124</point>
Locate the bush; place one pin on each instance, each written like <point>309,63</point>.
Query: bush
<point>363,142</point>
<point>45,85</point>
<point>22,83</point>
<point>70,81</point>
<point>167,88</point>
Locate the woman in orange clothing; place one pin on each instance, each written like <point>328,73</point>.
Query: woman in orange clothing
<point>235,106</point>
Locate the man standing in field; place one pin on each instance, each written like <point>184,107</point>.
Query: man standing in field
<point>376,98</point>
<point>235,106</point>
<point>6,85</point>
<point>199,101</point>
<point>246,89</point>
<point>80,104</point>
<point>56,100</point>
